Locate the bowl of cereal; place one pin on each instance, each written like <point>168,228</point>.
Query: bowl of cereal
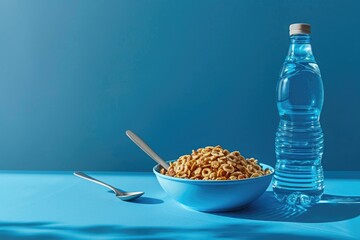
<point>213,179</point>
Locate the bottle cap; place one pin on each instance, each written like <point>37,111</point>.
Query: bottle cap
<point>300,28</point>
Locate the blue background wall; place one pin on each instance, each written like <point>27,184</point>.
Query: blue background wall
<point>74,75</point>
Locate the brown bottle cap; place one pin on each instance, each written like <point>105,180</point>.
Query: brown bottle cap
<point>300,28</point>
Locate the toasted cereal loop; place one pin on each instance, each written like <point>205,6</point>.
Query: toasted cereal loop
<point>205,172</point>
<point>228,168</point>
<point>215,163</point>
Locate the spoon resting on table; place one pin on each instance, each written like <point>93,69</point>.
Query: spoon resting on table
<point>125,196</point>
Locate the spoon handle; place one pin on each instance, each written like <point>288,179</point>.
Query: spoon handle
<point>87,177</point>
<point>141,144</point>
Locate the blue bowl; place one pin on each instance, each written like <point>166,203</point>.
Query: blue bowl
<point>211,195</point>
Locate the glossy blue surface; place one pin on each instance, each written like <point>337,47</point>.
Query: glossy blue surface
<point>74,75</point>
<point>214,196</point>
<point>58,205</point>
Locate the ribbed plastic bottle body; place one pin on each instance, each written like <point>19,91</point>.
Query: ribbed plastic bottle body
<point>298,178</point>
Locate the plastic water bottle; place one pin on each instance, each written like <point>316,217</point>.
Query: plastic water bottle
<point>298,178</point>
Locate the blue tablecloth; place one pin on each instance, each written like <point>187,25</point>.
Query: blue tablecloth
<point>58,205</point>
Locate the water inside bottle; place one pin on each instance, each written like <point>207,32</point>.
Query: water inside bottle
<point>298,178</point>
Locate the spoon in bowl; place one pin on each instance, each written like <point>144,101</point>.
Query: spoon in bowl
<point>125,196</point>
<point>141,144</point>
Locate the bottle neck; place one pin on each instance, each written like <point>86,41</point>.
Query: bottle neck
<point>300,49</point>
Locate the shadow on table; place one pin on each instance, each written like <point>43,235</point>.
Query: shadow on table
<point>53,231</point>
<point>147,200</point>
<point>143,200</point>
<point>331,208</point>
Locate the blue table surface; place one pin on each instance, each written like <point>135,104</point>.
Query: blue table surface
<point>58,205</point>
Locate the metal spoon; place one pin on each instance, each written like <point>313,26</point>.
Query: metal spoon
<point>141,144</point>
<point>125,196</point>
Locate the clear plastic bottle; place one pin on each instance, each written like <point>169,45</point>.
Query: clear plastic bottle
<point>298,178</point>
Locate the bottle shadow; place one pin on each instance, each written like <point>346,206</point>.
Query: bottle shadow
<point>331,208</point>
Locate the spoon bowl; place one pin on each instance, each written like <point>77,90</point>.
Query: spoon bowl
<point>128,196</point>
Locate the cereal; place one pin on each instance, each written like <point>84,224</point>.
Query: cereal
<point>215,163</point>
